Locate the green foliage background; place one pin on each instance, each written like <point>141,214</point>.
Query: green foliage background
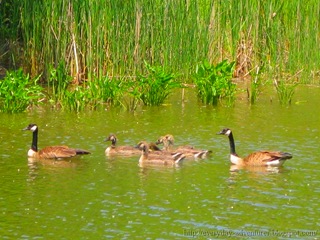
<point>114,38</point>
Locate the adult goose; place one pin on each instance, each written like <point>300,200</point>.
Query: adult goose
<point>51,152</point>
<point>259,158</point>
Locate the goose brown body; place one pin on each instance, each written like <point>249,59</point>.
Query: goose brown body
<point>165,158</point>
<point>188,151</point>
<point>50,152</point>
<point>259,158</point>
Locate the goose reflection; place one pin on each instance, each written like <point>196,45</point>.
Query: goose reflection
<point>35,165</point>
<point>256,169</point>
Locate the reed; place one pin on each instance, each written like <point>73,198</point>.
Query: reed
<point>96,38</point>
<point>255,85</point>
<point>18,92</point>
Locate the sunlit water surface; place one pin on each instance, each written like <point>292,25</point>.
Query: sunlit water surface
<point>98,197</point>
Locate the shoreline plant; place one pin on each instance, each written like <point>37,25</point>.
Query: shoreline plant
<point>214,82</point>
<point>18,92</point>
<point>254,90</point>
<point>285,91</point>
<point>150,89</point>
<point>156,85</point>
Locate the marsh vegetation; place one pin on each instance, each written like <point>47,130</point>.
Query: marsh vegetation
<point>93,53</point>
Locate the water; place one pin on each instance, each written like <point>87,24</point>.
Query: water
<point>97,197</point>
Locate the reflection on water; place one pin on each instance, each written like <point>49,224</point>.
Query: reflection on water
<point>256,169</point>
<point>65,163</point>
<point>35,165</point>
<point>99,197</point>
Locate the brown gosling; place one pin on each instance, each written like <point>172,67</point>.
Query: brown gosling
<point>189,151</point>
<point>126,150</point>
<point>260,158</point>
<point>153,148</point>
<point>51,152</point>
<point>165,158</point>
<point>120,150</point>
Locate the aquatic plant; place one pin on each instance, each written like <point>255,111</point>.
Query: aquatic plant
<point>104,91</point>
<point>214,82</point>
<point>58,83</point>
<point>285,91</point>
<point>100,92</point>
<point>254,90</point>
<point>131,96</point>
<point>18,92</point>
<point>75,99</point>
<point>155,86</point>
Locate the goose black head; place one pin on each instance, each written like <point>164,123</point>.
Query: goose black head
<point>225,131</point>
<point>32,127</point>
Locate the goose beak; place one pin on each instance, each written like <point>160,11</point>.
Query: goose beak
<point>220,133</point>
<point>26,128</point>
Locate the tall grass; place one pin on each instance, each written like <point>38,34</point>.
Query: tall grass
<point>255,85</point>
<point>114,38</point>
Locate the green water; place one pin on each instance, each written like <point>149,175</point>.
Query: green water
<point>96,197</point>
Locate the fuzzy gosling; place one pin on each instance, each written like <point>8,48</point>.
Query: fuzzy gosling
<point>161,159</point>
<point>114,149</point>
<point>189,151</point>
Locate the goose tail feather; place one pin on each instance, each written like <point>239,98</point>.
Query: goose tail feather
<point>81,151</point>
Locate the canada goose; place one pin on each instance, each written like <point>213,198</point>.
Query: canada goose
<point>148,157</point>
<point>260,158</point>
<point>121,150</point>
<point>51,152</point>
<point>188,151</point>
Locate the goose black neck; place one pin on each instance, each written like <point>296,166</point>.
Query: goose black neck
<point>34,145</point>
<point>232,144</point>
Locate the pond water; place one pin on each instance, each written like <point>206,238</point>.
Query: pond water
<point>98,197</point>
